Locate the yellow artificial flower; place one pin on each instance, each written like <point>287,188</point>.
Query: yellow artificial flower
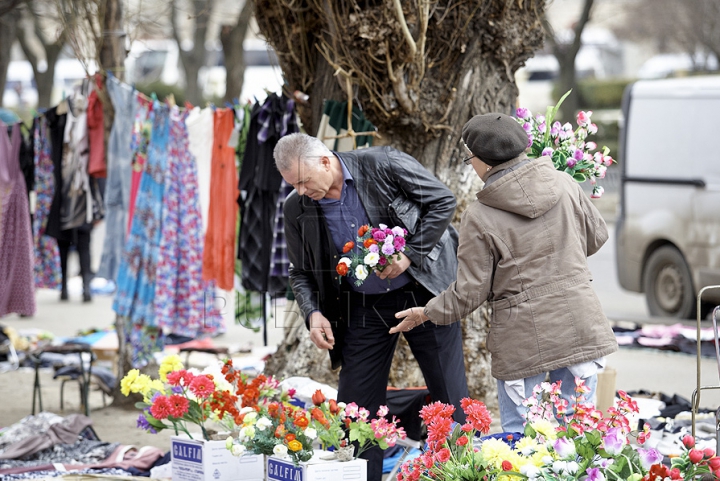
<point>141,384</point>
<point>128,380</point>
<point>169,364</point>
<point>545,428</point>
<point>151,388</point>
<point>495,451</point>
<point>294,445</point>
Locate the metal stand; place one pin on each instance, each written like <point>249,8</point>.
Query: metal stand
<point>696,393</point>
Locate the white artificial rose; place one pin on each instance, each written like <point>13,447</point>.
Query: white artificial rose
<point>246,410</point>
<point>263,423</point>
<point>250,418</point>
<point>372,259</point>
<point>382,226</point>
<point>361,272</point>
<point>346,261</point>
<point>238,450</point>
<point>311,433</point>
<point>280,450</point>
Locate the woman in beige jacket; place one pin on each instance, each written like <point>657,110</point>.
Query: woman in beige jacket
<point>523,247</point>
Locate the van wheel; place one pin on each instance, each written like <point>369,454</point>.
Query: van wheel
<point>668,284</point>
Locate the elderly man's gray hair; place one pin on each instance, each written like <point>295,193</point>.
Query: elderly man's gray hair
<point>302,147</point>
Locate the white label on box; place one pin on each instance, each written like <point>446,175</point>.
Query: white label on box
<point>282,471</point>
<point>187,459</point>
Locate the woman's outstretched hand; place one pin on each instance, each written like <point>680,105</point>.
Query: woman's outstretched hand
<point>411,318</point>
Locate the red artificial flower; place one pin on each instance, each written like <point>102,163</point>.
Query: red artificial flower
<point>462,441</point>
<point>341,268</point>
<point>348,247</point>
<point>714,463</point>
<point>477,414</point>
<point>318,397</point>
<point>289,437</point>
<point>202,386</point>
<point>160,408</point>
<point>688,441</point>
<point>363,230</point>
<point>369,242</point>
<point>178,405</point>
<point>695,456</point>
<point>300,420</point>
<point>709,452</point>
<point>443,455</point>
<point>507,465</point>
<point>280,431</point>
<point>176,378</point>
<point>333,406</point>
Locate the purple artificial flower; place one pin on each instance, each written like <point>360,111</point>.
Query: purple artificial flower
<point>177,389</point>
<point>614,441</point>
<point>648,457</point>
<point>530,140</point>
<point>388,249</point>
<point>555,130</point>
<point>540,119</point>
<point>571,162</point>
<point>399,243</point>
<point>527,126</point>
<point>542,127</point>
<point>379,235</point>
<point>143,424</point>
<point>523,113</point>
<point>594,474</point>
<point>578,155</point>
<point>547,151</point>
<point>564,447</point>
<point>374,248</point>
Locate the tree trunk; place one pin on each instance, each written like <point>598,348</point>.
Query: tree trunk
<point>419,72</point>
<point>194,59</point>
<point>231,37</point>
<point>8,32</point>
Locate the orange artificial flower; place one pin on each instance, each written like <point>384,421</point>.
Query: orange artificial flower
<point>318,397</point>
<point>289,437</point>
<point>301,421</point>
<point>295,445</point>
<point>348,247</point>
<point>333,406</point>
<point>369,242</point>
<point>363,229</point>
<point>280,431</point>
<point>342,269</point>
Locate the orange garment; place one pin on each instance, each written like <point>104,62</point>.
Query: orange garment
<point>219,250</point>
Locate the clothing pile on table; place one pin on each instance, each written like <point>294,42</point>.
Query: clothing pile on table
<point>48,445</point>
<point>677,338</point>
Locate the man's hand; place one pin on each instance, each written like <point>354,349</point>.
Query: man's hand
<point>413,317</point>
<point>321,331</point>
<point>397,267</point>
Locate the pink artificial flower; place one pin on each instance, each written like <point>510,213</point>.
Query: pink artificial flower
<point>598,191</point>
<point>591,146</point>
<point>527,126</point>
<point>388,249</point>
<point>594,474</point>
<point>382,261</point>
<point>547,152</point>
<point>202,386</point>
<point>443,455</point>
<point>379,235</point>
<point>614,441</point>
<point>648,457</point>
<point>374,248</point>
<point>383,411</point>
<point>399,243</point>
<point>571,162</point>
<point>583,118</point>
<point>523,113</point>
<point>178,405</point>
<point>592,128</point>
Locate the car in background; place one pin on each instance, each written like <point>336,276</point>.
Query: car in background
<point>668,230</point>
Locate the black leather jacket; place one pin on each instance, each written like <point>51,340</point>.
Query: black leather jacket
<point>395,189</point>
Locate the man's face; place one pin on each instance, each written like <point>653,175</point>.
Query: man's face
<point>311,178</point>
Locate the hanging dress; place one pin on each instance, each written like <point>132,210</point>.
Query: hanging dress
<point>184,303</point>
<point>219,252</point>
<point>47,257</point>
<point>17,289</point>
<point>141,133</point>
<point>136,278</point>
<point>199,124</point>
<point>119,172</point>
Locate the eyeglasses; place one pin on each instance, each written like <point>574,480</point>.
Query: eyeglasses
<point>464,147</point>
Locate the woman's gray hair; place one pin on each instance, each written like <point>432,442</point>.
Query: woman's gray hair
<point>298,147</point>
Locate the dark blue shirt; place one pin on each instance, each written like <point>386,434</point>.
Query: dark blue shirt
<point>344,217</point>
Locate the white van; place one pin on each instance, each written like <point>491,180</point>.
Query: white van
<point>668,231</point>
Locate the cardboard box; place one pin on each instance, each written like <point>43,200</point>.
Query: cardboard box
<point>317,469</point>
<point>199,460</point>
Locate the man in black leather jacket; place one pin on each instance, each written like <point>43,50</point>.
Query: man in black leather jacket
<point>336,193</point>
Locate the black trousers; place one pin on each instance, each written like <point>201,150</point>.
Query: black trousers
<point>81,240</point>
<point>368,352</point>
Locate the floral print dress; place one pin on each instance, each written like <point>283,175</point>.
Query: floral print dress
<point>184,303</point>
<point>47,257</point>
<point>136,279</point>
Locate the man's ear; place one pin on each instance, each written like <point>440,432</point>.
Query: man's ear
<point>325,162</point>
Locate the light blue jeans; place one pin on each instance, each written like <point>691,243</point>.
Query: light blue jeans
<point>511,408</point>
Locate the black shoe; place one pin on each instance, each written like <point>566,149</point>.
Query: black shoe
<point>64,294</point>
<point>86,296</point>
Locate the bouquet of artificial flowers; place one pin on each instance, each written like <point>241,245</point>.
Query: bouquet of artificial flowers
<point>376,248</point>
<point>569,149</point>
<point>339,424</point>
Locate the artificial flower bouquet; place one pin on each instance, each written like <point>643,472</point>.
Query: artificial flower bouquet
<point>338,425</point>
<point>375,248</point>
<point>569,149</point>
<point>183,397</point>
<point>560,443</point>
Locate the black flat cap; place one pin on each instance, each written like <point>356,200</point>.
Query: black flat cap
<point>494,138</point>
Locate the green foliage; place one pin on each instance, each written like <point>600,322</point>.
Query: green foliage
<point>162,90</point>
<point>598,94</point>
